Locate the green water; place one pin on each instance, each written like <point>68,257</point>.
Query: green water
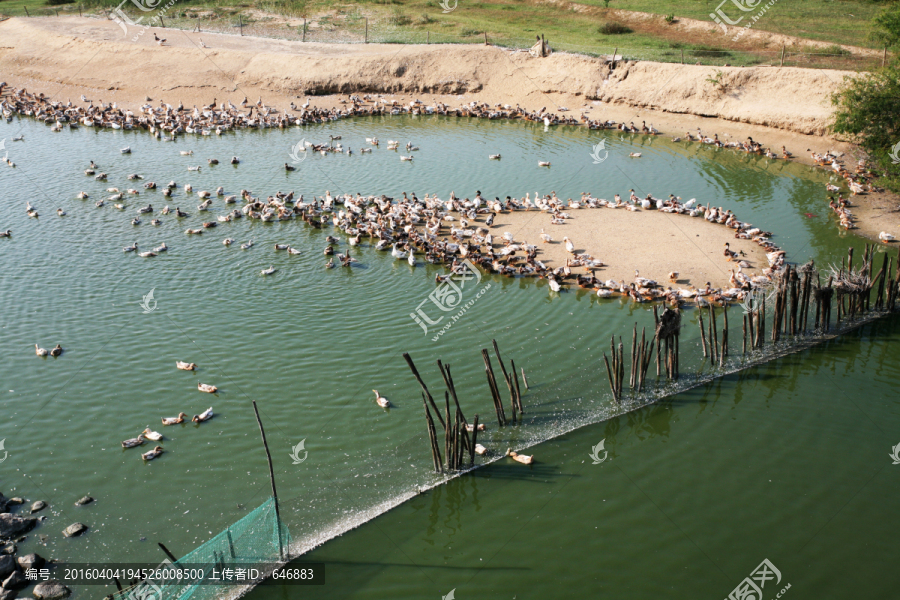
<point>309,345</point>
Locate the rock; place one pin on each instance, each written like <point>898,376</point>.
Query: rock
<point>16,501</point>
<point>30,561</point>
<point>8,548</point>
<point>75,529</point>
<point>4,504</point>
<point>37,506</point>
<point>12,526</point>
<point>8,594</point>
<point>84,500</point>
<point>51,590</point>
<point>16,581</point>
<point>7,566</point>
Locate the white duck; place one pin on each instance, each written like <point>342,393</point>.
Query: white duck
<point>381,400</point>
<point>206,415</point>
<point>151,435</point>
<point>205,387</point>
<point>185,366</point>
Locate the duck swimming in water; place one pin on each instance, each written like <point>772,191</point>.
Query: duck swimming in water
<point>138,441</point>
<point>206,415</point>
<point>205,387</point>
<point>152,453</point>
<point>185,366</point>
<point>174,420</point>
<point>381,400</point>
<point>40,351</point>
<point>56,351</point>
<point>151,435</point>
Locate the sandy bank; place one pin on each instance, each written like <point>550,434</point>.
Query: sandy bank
<point>69,56</point>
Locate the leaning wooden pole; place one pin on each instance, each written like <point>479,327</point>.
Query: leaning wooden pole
<point>262,432</point>
<point>415,373</point>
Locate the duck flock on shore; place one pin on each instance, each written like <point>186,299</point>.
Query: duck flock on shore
<point>440,231</point>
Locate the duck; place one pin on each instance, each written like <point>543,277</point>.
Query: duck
<point>235,160</point>
<point>381,400</point>
<point>570,247</point>
<point>885,237</point>
<point>247,246</point>
<point>56,351</point>
<point>494,156</point>
<point>40,351</point>
<point>268,271</point>
<point>406,158</point>
<point>228,241</point>
<point>397,253</point>
<point>544,163</point>
<point>206,415</point>
<point>60,212</point>
<point>6,234</point>
<point>329,264</point>
<point>545,237</point>
<point>522,458</point>
<point>138,441</point>
<point>635,155</point>
<point>174,420</point>
<point>292,250</point>
<point>673,276</point>
<point>126,150</point>
<point>130,248</point>
<point>185,366</point>
<point>288,167</point>
<point>205,387</point>
<point>152,453</point>
<point>151,435</point>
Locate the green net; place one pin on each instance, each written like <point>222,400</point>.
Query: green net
<point>259,540</point>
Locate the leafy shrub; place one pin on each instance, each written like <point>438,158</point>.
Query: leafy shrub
<point>613,28</point>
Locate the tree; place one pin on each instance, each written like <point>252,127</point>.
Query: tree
<point>868,111</point>
<point>886,26</point>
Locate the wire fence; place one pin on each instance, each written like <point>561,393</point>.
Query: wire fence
<point>356,29</point>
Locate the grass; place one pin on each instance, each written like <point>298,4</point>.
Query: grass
<point>515,23</point>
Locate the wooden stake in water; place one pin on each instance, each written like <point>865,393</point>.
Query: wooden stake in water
<point>272,480</point>
<point>415,373</point>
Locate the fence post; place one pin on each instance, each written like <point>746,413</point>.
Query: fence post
<point>614,57</point>
<point>884,56</point>
<point>682,56</point>
<point>304,29</point>
<point>485,38</point>
<point>427,37</point>
<point>272,479</point>
<point>26,11</point>
<point>782,55</point>
<point>79,9</point>
<point>161,22</point>
<point>57,14</point>
<point>241,22</point>
<point>367,30</point>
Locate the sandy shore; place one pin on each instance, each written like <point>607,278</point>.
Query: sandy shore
<point>70,56</point>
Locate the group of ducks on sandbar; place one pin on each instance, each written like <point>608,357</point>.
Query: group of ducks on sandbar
<point>149,434</point>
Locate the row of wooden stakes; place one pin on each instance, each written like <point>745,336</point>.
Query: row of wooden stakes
<point>459,446</point>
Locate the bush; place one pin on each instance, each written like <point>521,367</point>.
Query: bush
<point>59,2</point>
<point>613,28</point>
<point>709,51</point>
<point>670,18</point>
<point>399,19</point>
<point>868,111</point>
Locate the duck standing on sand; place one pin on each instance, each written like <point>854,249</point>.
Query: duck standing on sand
<point>206,415</point>
<point>174,420</point>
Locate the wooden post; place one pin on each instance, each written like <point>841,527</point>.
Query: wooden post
<point>367,30</point>
<point>415,372</point>
<point>241,22</point>
<point>161,22</point>
<point>166,550</point>
<point>432,437</point>
<point>474,437</point>
<point>884,56</point>
<point>682,56</point>
<point>272,480</point>
<point>524,380</point>
<point>79,10</point>
<point>26,11</point>
<point>613,67</point>
<point>702,333</point>
<point>427,37</point>
<point>304,29</point>
<point>515,375</point>
<point>782,55</point>
<point>485,38</point>
<point>609,373</point>
<point>57,11</point>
